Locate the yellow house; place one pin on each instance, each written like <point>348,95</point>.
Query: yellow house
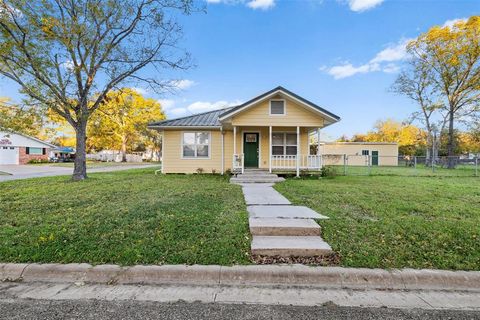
<point>269,132</point>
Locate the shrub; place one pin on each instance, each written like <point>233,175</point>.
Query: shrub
<point>199,170</point>
<point>214,171</point>
<point>33,161</point>
<point>328,172</point>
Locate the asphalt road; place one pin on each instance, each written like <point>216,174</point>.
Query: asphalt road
<point>99,309</point>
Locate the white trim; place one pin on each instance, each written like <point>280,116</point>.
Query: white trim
<point>223,150</point>
<point>259,144</point>
<point>270,149</point>
<point>234,139</point>
<point>273,94</point>
<point>284,145</point>
<point>298,150</point>
<point>195,157</point>
<point>163,153</point>
<point>277,114</point>
<point>185,127</point>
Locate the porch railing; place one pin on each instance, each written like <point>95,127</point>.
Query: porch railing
<point>238,163</point>
<point>306,162</point>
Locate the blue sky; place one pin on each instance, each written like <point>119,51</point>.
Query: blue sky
<point>341,54</point>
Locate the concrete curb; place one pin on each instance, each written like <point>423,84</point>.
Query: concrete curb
<point>274,275</point>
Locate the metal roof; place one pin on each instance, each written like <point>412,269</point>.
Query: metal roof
<point>205,119</point>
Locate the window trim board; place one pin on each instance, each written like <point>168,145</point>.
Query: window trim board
<point>195,157</point>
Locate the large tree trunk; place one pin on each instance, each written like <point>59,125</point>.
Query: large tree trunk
<point>80,165</point>
<point>451,142</point>
<point>124,150</point>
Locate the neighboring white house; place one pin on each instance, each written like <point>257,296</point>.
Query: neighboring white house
<point>17,148</point>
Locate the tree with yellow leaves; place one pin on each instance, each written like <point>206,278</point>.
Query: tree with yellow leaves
<point>450,58</point>
<point>411,139</point>
<point>120,123</point>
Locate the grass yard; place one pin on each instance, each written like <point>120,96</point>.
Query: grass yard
<point>96,164</point>
<point>128,217</point>
<point>396,222</point>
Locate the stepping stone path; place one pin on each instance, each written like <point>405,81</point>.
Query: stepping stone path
<point>277,227</point>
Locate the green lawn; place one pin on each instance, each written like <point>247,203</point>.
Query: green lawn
<point>96,164</point>
<point>396,222</point>
<point>129,217</point>
<point>420,170</point>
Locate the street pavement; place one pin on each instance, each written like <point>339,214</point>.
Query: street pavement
<point>17,172</point>
<point>23,309</point>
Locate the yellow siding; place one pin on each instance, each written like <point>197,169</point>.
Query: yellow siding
<point>172,153</point>
<point>387,153</point>
<point>295,115</point>
<point>174,163</point>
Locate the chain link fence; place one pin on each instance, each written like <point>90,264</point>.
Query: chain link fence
<point>456,166</point>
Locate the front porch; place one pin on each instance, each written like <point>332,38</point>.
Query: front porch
<point>273,148</point>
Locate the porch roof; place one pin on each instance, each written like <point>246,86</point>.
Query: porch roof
<point>205,119</point>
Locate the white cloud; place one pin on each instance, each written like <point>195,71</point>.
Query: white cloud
<point>166,103</point>
<point>253,4</point>
<point>383,61</point>
<point>363,5</point>
<point>197,107</point>
<point>452,22</point>
<point>202,106</point>
<point>261,4</point>
<point>394,52</point>
<point>182,84</point>
<point>139,90</point>
<point>177,112</point>
<point>347,70</point>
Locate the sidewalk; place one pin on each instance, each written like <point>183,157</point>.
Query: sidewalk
<point>280,284</point>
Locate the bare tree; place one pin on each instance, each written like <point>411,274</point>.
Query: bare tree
<point>68,54</point>
<point>414,82</point>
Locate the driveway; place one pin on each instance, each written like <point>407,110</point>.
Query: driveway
<point>17,172</point>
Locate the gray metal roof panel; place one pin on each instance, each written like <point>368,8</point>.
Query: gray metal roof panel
<point>205,119</point>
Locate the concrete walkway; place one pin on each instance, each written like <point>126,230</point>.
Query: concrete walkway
<point>17,172</point>
<point>277,227</point>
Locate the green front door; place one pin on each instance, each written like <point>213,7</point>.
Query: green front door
<point>250,149</point>
<point>374,158</point>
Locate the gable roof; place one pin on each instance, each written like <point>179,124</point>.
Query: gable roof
<point>205,119</point>
<point>8,133</point>
<point>274,91</point>
<point>213,119</point>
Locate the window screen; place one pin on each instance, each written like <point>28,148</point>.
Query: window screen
<point>277,107</point>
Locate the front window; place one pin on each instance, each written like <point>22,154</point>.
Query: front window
<point>35,151</point>
<point>196,144</point>
<point>277,107</point>
<point>365,152</point>
<point>284,144</point>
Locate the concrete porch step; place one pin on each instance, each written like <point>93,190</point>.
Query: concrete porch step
<point>287,246</point>
<point>284,212</point>
<point>283,227</point>
<point>255,179</point>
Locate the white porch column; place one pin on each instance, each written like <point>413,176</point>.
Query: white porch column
<point>319,153</point>
<point>298,151</point>
<point>223,150</point>
<point>234,140</point>
<point>318,142</point>
<point>270,150</point>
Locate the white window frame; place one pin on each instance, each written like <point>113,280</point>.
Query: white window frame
<point>284,144</point>
<point>277,114</point>
<point>367,152</point>
<point>195,157</point>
